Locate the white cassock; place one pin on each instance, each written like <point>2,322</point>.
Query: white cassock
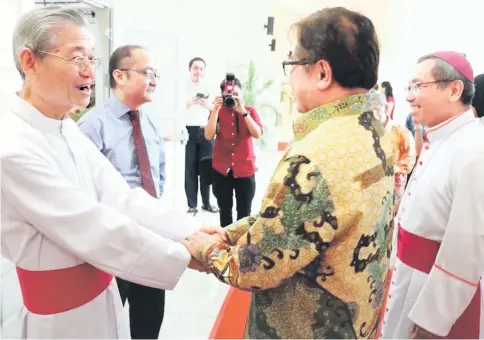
<point>439,252</point>
<point>63,205</point>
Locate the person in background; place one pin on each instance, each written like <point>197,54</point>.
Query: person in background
<point>233,153</point>
<point>387,90</point>
<point>316,255</point>
<point>478,101</point>
<point>409,124</point>
<point>404,153</point>
<point>418,132</point>
<point>70,222</point>
<point>438,253</point>
<point>198,147</point>
<point>124,132</point>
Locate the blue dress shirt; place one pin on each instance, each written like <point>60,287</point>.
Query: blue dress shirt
<point>110,129</point>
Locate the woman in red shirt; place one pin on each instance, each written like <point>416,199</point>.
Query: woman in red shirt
<point>233,157</point>
<point>387,90</point>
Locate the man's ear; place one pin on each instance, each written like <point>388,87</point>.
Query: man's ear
<point>456,87</point>
<point>325,74</point>
<point>120,77</point>
<point>27,60</point>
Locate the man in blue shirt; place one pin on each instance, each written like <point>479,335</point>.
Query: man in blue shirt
<point>129,139</point>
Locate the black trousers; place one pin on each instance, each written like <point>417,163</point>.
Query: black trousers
<point>197,148</point>
<point>223,189</point>
<point>146,308</point>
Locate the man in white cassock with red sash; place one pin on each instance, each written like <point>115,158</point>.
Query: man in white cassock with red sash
<point>69,220</point>
<point>438,254</point>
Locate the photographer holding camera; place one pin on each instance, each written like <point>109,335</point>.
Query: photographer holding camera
<point>234,124</point>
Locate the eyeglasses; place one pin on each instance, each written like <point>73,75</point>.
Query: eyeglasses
<point>415,88</point>
<point>287,65</point>
<point>80,61</point>
<point>147,73</point>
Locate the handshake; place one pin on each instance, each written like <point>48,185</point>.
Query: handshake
<point>199,240</point>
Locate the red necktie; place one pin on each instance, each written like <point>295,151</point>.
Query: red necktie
<point>142,154</point>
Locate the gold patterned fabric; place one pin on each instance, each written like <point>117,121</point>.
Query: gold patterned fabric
<point>316,255</point>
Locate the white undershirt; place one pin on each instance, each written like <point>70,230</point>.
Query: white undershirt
<point>196,115</point>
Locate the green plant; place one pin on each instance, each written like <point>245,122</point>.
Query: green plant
<point>252,93</point>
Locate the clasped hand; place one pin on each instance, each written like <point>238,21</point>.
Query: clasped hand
<point>206,235</point>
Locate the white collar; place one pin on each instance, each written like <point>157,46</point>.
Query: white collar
<point>448,127</point>
<point>35,118</point>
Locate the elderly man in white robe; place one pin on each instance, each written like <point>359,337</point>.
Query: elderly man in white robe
<point>69,220</point>
<point>439,243</point>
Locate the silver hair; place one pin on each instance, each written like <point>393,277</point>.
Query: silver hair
<point>445,72</point>
<point>36,30</point>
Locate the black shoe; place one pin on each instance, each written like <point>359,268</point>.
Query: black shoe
<point>193,211</point>
<point>210,208</point>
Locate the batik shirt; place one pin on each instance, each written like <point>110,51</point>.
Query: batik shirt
<point>316,255</point>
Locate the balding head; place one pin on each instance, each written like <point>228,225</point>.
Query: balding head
<point>121,58</point>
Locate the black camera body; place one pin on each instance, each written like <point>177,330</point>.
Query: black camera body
<point>228,97</point>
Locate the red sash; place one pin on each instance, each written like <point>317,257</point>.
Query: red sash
<point>419,253</point>
<point>57,291</point>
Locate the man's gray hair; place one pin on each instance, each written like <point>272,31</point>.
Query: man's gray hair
<point>445,72</point>
<point>36,30</point>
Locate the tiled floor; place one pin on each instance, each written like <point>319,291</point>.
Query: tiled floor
<point>192,307</point>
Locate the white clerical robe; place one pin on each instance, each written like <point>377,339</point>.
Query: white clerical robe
<point>444,202</point>
<point>63,204</point>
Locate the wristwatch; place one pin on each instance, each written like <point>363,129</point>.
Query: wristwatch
<point>246,114</point>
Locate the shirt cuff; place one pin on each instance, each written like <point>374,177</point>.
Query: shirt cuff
<point>443,299</point>
<point>235,231</point>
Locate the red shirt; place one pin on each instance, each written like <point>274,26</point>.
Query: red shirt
<point>234,148</point>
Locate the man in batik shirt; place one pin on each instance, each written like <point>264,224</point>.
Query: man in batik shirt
<point>316,256</point>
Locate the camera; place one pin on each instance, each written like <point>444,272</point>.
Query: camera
<point>228,98</point>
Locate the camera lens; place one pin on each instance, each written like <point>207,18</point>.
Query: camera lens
<point>229,101</point>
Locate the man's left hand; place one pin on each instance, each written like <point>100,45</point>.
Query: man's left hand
<point>239,105</point>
